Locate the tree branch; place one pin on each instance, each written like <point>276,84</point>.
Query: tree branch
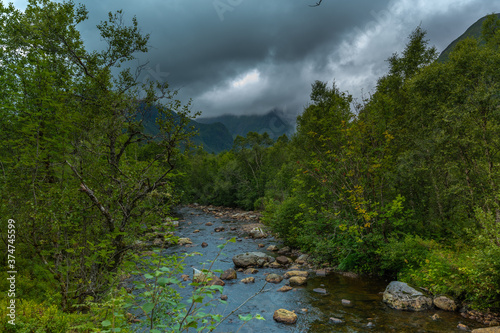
<point>93,198</point>
<point>317,4</point>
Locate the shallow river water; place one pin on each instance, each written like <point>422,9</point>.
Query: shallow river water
<point>313,309</point>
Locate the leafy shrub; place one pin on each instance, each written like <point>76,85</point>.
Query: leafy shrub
<point>32,316</point>
<point>472,276</point>
<point>400,255</point>
<point>285,219</point>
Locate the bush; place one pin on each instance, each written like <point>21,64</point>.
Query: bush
<point>32,316</point>
<point>472,275</point>
<point>397,256</point>
<point>285,219</point>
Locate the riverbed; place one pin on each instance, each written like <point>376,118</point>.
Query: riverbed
<point>365,313</point>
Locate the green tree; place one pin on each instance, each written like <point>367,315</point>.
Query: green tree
<point>70,134</point>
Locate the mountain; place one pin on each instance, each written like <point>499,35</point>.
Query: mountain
<point>214,137</point>
<point>473,31</point>
<point>273,122</point>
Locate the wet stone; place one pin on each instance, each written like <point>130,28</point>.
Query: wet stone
<point>290,274</point>
<point>285,316</point>
<point>298,281</point>
<point>274,278</point>
<point>336,321</point>
<point>284,289</point>
<point>250,271</point>
<point>321,272</point>
<point>272,248</point>
<point>284,250</point>
<point>320,290</point>
<point>248,280</point>
<point>346,302</point>
<point>462,327</point>
<point>282,260</point>
<point>229,274</point>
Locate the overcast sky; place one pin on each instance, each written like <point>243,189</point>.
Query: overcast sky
<point>250,56</point>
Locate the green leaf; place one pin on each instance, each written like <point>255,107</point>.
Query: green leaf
<point>148,307</point>
<point>245,318</point>
<point>106,323</point>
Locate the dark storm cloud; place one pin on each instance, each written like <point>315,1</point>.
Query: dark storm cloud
<point>249,56</point>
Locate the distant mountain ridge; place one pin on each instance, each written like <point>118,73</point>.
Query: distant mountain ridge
<point>216,134</point>
<point>473,31</point>
<point>272,122</point>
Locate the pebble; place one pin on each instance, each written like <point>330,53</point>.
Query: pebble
<point>336,320</point>
<point>248,280</point>
<point>462,327</point>
<point>346,302</point>
<point>320,290</point>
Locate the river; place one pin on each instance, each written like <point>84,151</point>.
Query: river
<point>367,312</point>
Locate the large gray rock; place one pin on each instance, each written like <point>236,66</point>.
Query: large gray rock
<point>400,296</point>
<point>251,259</point>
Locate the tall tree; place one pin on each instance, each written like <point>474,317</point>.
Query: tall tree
<point>72,131</point>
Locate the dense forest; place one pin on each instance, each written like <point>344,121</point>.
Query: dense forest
<point>403,184</point>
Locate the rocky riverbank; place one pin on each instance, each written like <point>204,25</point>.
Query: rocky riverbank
<point>320,297</point>
<point>250,227</point>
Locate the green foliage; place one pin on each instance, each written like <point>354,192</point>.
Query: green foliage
<point>70,136</point>
<point>471,275</point>
<point>32,316</point>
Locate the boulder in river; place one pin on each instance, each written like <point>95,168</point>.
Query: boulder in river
<point>284,250</point>
<point>274,265</point>
<point>250,279</point>
<point>290,274</point>
<point>229,274</point>
<point>285,316</point>
<point>302,259</point>
<point>184,241</point>
<point>210,278</point>
<point>445,303</point>
<point>250,271</point>
<point>274,278</point>
<point>272,248</point>
<point>257,233</point>
<point>400,296</point>
<point>282,260</point>
<point>285,289</point>
<point>298,280</point>
<point>251,259</point>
